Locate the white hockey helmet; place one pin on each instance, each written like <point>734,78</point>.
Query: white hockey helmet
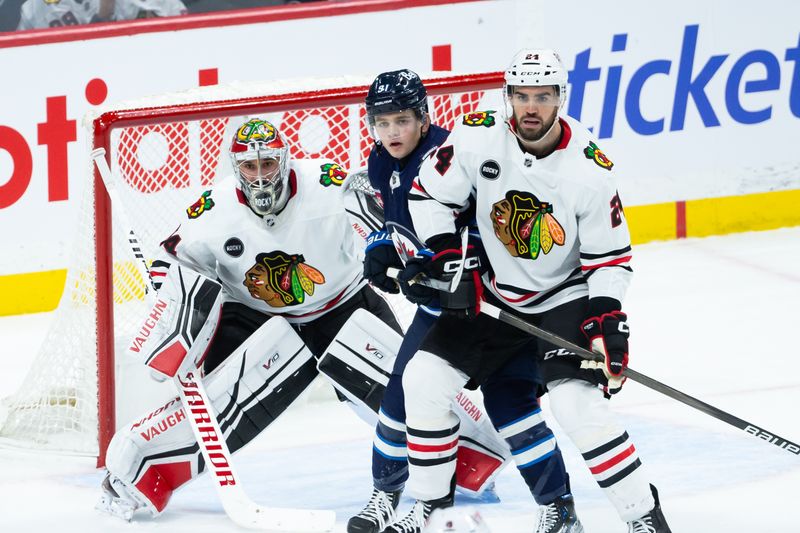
<point>536,67</point>
<point>456,520</point>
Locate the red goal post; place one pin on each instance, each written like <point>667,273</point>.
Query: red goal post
<point>163,150</point>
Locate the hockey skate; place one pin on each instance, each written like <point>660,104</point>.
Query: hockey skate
<point>415,520</point>
<point>559,517</point>
<point>117,500</point>
<point>377,514</point>
<point>652,522</point>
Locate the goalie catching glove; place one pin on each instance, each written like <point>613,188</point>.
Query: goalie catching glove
<point>608,336</point>
<point>444,259</point>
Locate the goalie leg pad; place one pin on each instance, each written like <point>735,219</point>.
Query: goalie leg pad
<point>158,453</point>
<point>359,361</point>
<point>482,452</point>
<point>178,328</point>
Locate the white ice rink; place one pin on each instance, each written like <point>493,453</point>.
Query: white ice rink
<point>717,318</point>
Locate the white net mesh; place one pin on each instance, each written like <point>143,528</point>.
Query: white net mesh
<point>161,168</point>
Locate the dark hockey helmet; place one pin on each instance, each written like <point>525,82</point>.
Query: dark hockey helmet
<point>396,91</point>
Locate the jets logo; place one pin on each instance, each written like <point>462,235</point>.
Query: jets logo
<point>594,153</point>
<point>479,118</point>
<point>205,203</point>
<point>332,174</point>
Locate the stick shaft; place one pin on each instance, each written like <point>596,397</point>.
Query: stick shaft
<point>719,414</point>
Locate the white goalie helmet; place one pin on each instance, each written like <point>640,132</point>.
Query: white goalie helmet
<point>260,157</point>
<point>535,67</point>
<point>456,520</point>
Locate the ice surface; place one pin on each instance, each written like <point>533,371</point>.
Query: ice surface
<point>714,318</point>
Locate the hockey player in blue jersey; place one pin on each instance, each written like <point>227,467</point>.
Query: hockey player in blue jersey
<point>398,116</point>
<point>399,121</point>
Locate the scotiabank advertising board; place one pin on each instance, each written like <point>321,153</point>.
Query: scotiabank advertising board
<point>693,101</point>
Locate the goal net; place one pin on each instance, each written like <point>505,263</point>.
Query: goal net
<point>163,152</point>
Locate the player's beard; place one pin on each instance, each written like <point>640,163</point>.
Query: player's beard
<point>538,133</point>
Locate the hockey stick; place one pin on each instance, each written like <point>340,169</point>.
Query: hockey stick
<point>747,427</point>
<point>98,156</point>
<point>210,438</point>
<point>440,285</point>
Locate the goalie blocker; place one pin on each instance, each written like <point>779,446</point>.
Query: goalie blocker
<point>358,364</point>
<point>183,319</point>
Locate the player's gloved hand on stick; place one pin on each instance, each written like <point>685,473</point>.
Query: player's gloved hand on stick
<point>415,271</point>
<point>380,255</point>
<point>441,261</point>
<point>608,332</point>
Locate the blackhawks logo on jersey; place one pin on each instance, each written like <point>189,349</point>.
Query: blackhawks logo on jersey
<point>593,152</point>
<point>205,203</point>
<point>332,174</point>
<point>281,279</point>
<point>525,225</point>
<point>480,118</point>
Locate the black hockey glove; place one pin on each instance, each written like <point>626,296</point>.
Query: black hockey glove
<point>381,255</point>
<point>441,261</point>
<point>417,293</point>
<point>608,335</point>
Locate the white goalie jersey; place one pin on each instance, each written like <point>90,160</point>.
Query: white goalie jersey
<point>553,228</point>
<point>299,264</point>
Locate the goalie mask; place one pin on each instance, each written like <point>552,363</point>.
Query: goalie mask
<point>396,91</point>
<point>260,158</point>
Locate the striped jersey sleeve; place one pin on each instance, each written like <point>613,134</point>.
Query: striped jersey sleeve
<point>605,249</point>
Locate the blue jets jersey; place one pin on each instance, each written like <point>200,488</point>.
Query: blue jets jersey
<point>392,178</point>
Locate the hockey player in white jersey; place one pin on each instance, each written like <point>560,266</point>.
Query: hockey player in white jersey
<point>58,13</point>
<point>145,9</point>
<point>55,14</point>
<point>267,266</point>
<point>559,250</point>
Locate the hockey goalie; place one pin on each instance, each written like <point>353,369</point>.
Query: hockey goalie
<point>261,289</point>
